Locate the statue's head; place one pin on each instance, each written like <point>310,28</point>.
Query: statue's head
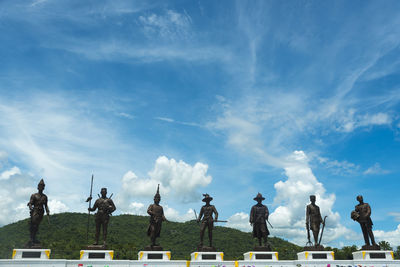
<point>207,198</point>
<point>313,199</point>
<point>41,185</point>
<point>259,198</point>
<point>157,196</point>
<point>360,198</point>
<point>103,192</point>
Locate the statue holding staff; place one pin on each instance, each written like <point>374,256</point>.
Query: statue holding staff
<point>105,206</point>
<point>314,221</point>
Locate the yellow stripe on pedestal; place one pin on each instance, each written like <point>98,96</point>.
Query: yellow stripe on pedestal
<point>251,255</point>
<point>276,255</point>
<point>333,255</point>
<point>81,254</point>
<point>47,252</point>
<point>222,256</point>
<point>195,255</point>
<point>169,255</point>
<point>111,254</point>
<point>140,255</point>
<point>14,252</point>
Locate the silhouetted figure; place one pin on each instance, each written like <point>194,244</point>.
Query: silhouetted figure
<point>313,219</point>
<point>105,206</point>
<point>37,204</point>
<point>362,214</point>
<point>156,213</point>
<point>207,220</point>
<point>258,219</point>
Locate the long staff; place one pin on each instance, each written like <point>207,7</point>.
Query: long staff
<point>322,232</point>
<point>90,201</point>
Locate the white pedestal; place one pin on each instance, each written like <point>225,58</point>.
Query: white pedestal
<point>154,255</point>
<point>373,255</point>
<point>96,255</point>
<point>316,255</point>
<point>30,254</point>
<point>207,256</point>
<point>261,256</point>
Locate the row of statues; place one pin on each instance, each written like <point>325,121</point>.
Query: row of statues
<point>259,214</point>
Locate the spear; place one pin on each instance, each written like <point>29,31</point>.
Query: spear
<point>90,201</point>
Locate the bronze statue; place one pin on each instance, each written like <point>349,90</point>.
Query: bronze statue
<point>313,221</point>
<point>105,206</point>
<point>37,204</point>
<point>362,214</point>
<point>258,219</point>
<point>207,221</point>
<point>156,213</point>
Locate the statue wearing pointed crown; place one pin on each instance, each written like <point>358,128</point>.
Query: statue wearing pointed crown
<point>156,213</point>
<point>37,205</point>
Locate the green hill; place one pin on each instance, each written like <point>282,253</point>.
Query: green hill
<point>66,236</point>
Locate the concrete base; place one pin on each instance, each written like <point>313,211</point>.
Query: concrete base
<point>315,255</point>
<point>207,256</point>
<point>154,255</point>
<point>96,255</point>
<point>261,256</point>
<point>30,254</point>
<point>373,255</point>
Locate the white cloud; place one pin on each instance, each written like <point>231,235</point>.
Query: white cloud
<point>173,215</point>
<point>393,237</point>
<point>7,174</point>
<point>3,155</point>
<point>15,192</point>
<point>292,196</point>
<point>338,167</point>
<point>178,181</point>
<point>351,121</point>
<point>375,169</point>
<point>137,208</point>
<point>239,221</point>
<point>170,25</point>
<point>396,216</point>
<point>56,206</point>
<point>16,189</point>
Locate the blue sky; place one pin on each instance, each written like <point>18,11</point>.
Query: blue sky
<point>231,98</point>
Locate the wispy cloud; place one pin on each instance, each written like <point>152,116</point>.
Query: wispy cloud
<point>376,169</point>
<point>178,122</point>
<point>170,25</point>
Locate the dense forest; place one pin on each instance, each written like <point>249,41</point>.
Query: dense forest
<point>66,236</point>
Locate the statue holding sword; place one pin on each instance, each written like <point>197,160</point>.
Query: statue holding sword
<point>207,221</point>
<point>258,219</point>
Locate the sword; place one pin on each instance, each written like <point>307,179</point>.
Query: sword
<point>269,223</point>
<point>90,201</point>
<point>322,231</point>
<point>195,215</point>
